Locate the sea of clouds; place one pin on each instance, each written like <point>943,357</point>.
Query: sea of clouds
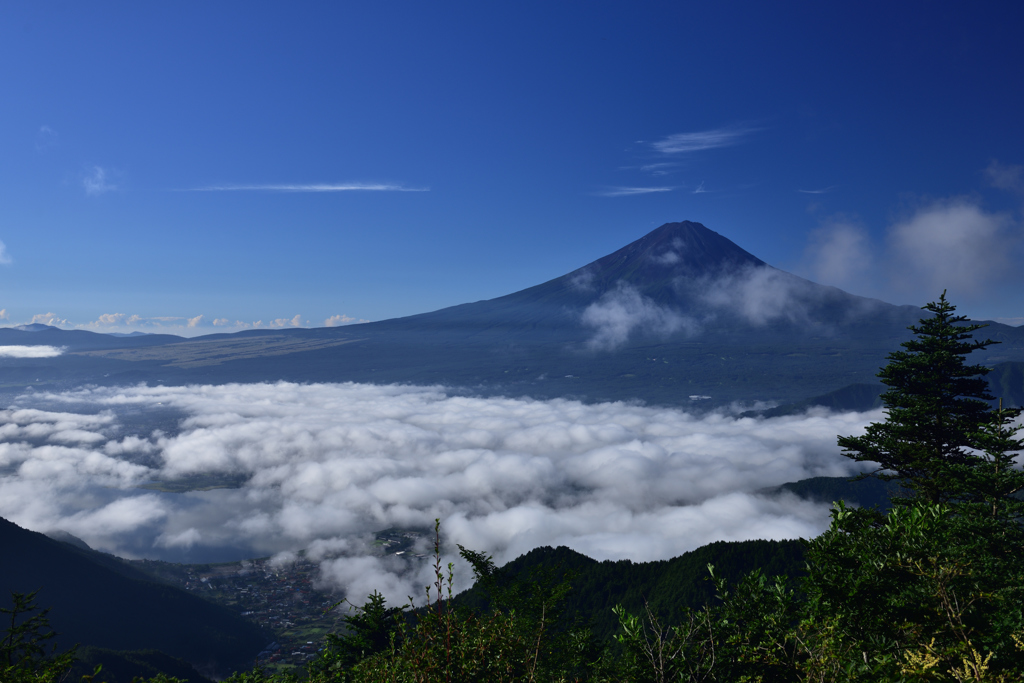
<point>322,467</point>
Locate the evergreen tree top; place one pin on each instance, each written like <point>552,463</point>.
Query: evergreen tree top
<point>936,405</point>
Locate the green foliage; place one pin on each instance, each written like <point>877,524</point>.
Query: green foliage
<point>993,484</point>
<point>927,582</point>
<point>371,629</point>
<point>23,653</point>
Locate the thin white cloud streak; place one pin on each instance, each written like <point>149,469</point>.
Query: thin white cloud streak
<point>313,187</point>
<point>660,168</point>
<point>630,191</point>
<point>327,465</point>
<point>685,143</point>
<point>823,190</point>
<point>30,351</point>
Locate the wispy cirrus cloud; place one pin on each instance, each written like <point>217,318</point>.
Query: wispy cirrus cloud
<point>310,187</point>
<point>629,191</point>
<point>46,138</point>
<point>685,143</point>
<point>1006,176</point>
<point>96,181</point>
<point>821,191</point>
<point>660,168</point>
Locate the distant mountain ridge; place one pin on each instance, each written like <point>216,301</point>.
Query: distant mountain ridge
<point>49,335</point>
<point>681,311</point>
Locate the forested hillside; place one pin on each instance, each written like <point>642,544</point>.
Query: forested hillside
<point>107,604</point>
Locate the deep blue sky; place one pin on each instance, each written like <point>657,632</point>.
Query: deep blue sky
<point>868,145</point>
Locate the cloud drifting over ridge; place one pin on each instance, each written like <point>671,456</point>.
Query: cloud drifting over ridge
<point>623,311</point>
<point>326,465</point>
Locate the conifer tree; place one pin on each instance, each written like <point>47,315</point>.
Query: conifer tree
<point>992,486</point>
<point>936,406</point>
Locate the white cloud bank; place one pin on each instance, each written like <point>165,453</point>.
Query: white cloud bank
<point>326,465</point>
<point>30,351</point>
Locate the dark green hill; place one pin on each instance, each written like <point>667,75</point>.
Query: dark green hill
<point>855,397</point>
<point>867,492</point>
<point>667,586</point>
<point>98,604</point>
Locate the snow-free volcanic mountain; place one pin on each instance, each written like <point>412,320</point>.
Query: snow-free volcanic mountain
<point>681,315</point>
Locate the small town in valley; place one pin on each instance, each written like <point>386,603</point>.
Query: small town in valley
<point>286,598</point>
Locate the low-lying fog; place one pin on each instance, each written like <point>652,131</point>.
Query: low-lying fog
<point>325,466</point>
